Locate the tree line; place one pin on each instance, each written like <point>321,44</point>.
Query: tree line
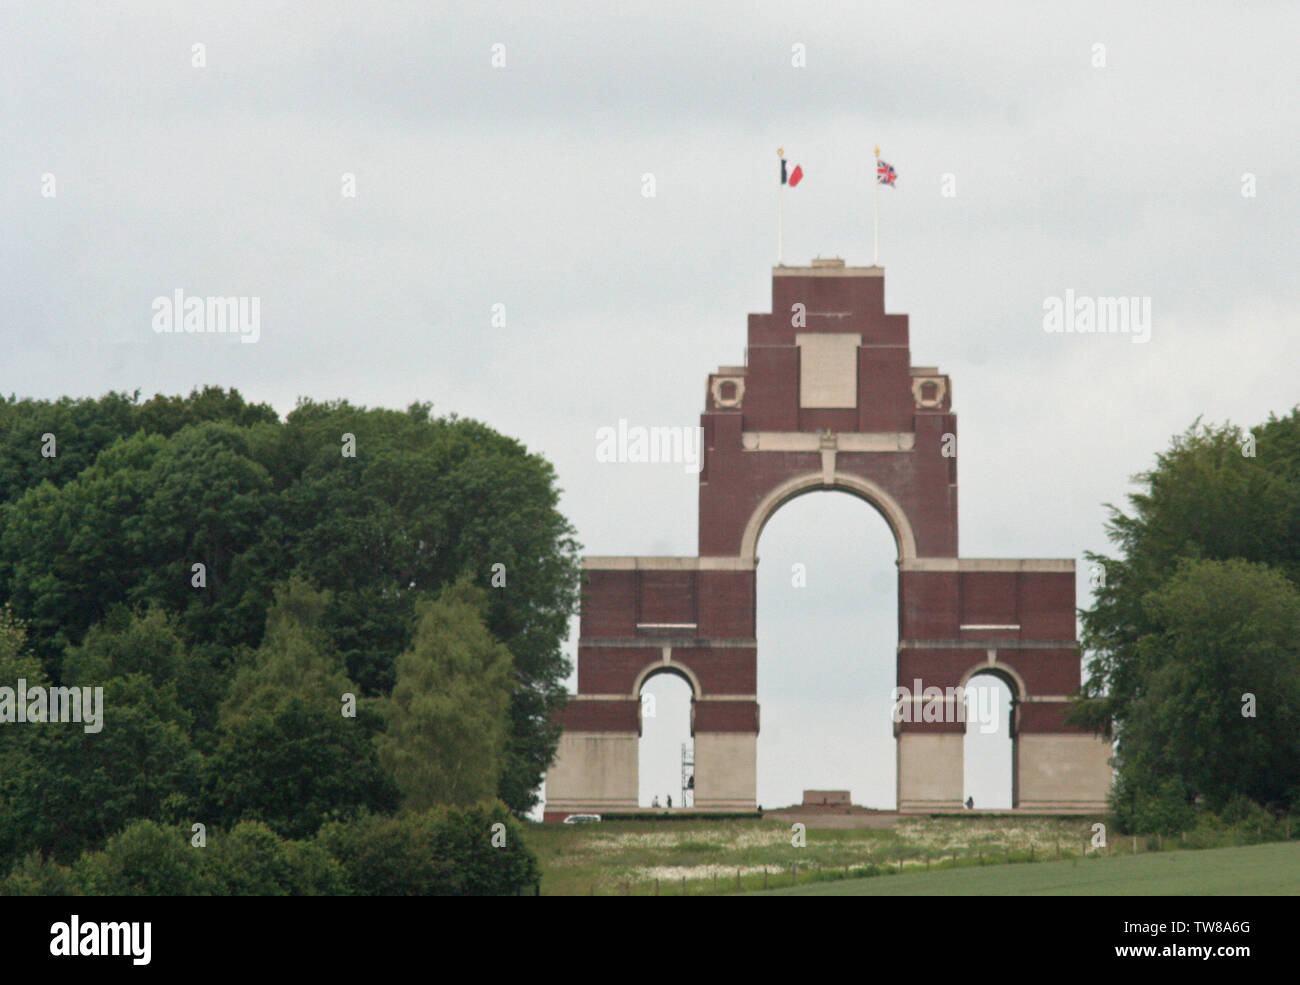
<point>343,616</point>
<point>1194,634</point>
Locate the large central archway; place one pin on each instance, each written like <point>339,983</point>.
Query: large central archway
<point>855,485</point>
<point>827,630</point>
<point>827,399</point>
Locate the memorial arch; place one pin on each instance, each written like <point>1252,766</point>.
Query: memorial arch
<point>862,488</point>
<point>827,399</point>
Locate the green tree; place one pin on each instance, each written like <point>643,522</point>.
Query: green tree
<point>296,659</point>
<point>294,768</point>
<point>64,790</point>
<point>145,859</point>
<point>15,659</point>
<point>68,554</point>
<point>445,851</point>
<point>286,754</point>
<point>446,720</point>
<point>1154,806</point>
<point>1206,499</point>
<point>139,493</point>
<point>84,427</point>
<point>1219,703</point>
<point>208,502</point>
<point>36,875</point>
<point>167,415</point>
<point>424,502</point>
<point>149,643</point>
<point>252,860</point>
<point>129,529</point>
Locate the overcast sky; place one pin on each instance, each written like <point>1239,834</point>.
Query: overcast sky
<point>522,186</point>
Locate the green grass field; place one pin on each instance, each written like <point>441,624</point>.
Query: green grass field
<point>631,857</point>
<point>1255,870</point>
<point>989,855</point>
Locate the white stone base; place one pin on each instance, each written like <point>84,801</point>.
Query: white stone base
<point>1064,773</point>
<point>593,772</point>
<point>930,771</point>
<point>726,771</point>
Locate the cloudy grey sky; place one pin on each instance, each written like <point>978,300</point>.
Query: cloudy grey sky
<point>522,186</point>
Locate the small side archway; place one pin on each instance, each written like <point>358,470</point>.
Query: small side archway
<point>1006,673</point>
<point>667,667</point>
<point>990,750</point>
<point>666,695</point>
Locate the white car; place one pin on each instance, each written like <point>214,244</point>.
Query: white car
<point>581,818</point>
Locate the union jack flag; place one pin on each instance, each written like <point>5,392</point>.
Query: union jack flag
<point>885,173</point>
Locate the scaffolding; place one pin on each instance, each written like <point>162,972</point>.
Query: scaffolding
<point>688,774</point>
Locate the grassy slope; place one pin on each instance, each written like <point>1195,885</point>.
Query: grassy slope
<point>1256,870</point>
<point>616,856</point>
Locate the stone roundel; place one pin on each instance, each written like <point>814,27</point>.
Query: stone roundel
<point>728,391</point>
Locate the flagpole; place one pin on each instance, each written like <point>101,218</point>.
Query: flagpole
<point>875,249</point>
<point>780,216</point>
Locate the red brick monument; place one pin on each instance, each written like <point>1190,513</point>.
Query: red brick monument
<point>827,399</point>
